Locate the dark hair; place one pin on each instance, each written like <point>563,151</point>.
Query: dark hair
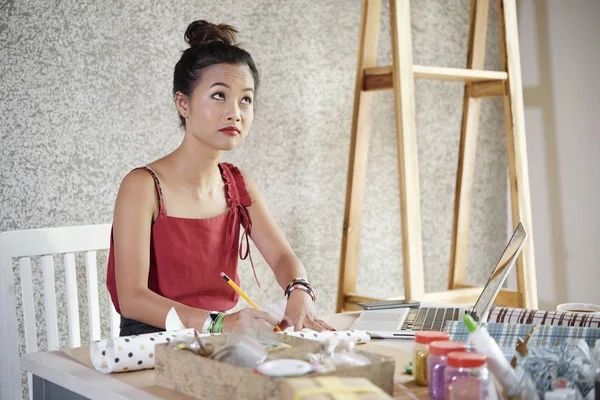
<point>209,44</point>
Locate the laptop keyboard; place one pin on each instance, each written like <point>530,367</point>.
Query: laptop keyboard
<point>430,319</point>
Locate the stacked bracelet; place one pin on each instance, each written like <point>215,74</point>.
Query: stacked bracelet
<point>296,281</point>
<point>208,322</point>
<point>217,324</point>
<point>300,284</point>
<point>304,289</point>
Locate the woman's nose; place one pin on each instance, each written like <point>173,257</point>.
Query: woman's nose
<point>234,114</point>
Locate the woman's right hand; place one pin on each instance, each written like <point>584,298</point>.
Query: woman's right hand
<point>249,319</point>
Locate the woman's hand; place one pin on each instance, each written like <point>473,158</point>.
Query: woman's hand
<point>300,313</point>
<point>249,319</point>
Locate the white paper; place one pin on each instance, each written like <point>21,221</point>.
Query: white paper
<point>173,322</point>
<point>276,309</point>
<point>356,336</point>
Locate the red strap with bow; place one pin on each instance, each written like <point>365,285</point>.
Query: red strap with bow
<point>247,225</point>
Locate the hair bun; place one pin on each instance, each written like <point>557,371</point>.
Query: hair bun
<point>201,32</point>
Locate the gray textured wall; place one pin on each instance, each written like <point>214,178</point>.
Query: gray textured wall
<point>85,97</point>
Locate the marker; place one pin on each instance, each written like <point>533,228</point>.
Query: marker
<point>485,344</point>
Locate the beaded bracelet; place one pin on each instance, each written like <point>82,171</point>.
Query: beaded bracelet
<point>310,292</point>
<point>296,281</point>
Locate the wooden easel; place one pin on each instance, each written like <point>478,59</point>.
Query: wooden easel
<point>478,83</point>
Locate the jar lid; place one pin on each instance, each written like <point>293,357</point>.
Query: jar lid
<point>443,347</point>
<point>426,337</point>
<point>466,360</point>
<point>285,367</point>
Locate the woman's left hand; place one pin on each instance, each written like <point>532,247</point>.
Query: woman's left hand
<point>300,313</point>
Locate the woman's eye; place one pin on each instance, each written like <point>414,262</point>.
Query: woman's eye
<point>218,96</point>
<point>247,100</point>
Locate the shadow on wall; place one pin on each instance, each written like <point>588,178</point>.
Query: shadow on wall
<point>542,97</point>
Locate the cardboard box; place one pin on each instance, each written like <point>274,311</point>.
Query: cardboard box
<point>200,377</point>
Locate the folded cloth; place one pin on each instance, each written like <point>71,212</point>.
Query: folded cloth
<point>129,353</point>
<point>506,335</point>
<point>539,317</point>
<point>355,336</point>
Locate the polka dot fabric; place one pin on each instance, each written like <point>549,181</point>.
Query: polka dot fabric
<point>130,353</point>
<point>358,337</point>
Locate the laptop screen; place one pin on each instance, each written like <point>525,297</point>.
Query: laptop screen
<point>505,264</point>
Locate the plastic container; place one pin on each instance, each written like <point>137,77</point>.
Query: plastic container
<point>436,365</point>
<point>467,377</point>
<point>421,351</point>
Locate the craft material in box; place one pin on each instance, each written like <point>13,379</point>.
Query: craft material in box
<point>325,387</point>
<point>203,378</point>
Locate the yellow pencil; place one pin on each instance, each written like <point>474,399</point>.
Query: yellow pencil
<point>244,295</point>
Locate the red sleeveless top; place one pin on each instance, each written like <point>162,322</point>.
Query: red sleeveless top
<point>187,255</point>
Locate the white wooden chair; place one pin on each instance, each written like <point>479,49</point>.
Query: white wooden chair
<point>46,243</point>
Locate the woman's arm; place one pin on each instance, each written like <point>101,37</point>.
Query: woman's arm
<point>269,239</point>
<point>286,266</point>
<point>135,209</point>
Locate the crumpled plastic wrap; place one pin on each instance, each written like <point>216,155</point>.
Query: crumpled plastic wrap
<point>569,365</point>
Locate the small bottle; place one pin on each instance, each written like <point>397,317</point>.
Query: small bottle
<point>436,365</point>
<point>467,377</point>
<point>421,351</point>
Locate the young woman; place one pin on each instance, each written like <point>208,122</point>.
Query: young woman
<point>177,220</point>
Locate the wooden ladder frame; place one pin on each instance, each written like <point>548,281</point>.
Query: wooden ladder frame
<point>479,83</point>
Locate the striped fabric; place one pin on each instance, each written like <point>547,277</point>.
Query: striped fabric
<point>536,317</point>
<point>506,334</point>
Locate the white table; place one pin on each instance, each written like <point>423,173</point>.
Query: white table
<point>58,376</point>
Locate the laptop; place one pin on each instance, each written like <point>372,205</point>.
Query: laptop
<point>403,323</point>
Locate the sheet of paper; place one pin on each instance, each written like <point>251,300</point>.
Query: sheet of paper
<point>173,322</point>
<point>358,337</point>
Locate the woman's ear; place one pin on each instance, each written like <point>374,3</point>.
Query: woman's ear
<point>182,103</point>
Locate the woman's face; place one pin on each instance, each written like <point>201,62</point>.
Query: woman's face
<point>220,110</point>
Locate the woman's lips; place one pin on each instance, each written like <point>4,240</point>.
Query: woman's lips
<point>230,131</point>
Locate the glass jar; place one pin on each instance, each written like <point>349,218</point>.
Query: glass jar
<point>467,376</point>
<point>421,351</point>
<point>436,365</point>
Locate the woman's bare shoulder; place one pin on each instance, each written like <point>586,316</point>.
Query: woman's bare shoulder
<point>137,179</point>
<point>138,190</point>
